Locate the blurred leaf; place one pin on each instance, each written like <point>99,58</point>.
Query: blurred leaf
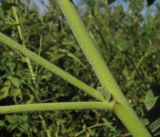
<point>2,123</point>
<point>2,16</point>
<point>155,125</point>
<point>4,91</point>
<point>14,81</point>
<point>150,100</point>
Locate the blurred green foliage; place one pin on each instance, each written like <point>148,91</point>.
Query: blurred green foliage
<point>128,42</point>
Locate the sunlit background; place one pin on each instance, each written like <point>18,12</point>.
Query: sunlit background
<point>42,5</point>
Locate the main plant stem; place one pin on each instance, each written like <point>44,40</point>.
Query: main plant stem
<point>55,106</point>
<point>123,110</point>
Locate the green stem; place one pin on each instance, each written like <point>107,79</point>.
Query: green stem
<point>56,106</point>
<point>17,21</point>
<point>53,68</point>
<point>44,126</point>
<point>90,51</point>
<point>123,111</point>
<point>19,28</point>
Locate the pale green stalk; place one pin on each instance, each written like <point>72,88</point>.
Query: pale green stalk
<point>56,106</point>
<point>17,21</point>
<point>19,28</point>
<point>53,68</point>
<point>44,126</point>
<point>123,111</point>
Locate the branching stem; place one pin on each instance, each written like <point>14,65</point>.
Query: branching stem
<point>53,68</point>
<point>124,110</point>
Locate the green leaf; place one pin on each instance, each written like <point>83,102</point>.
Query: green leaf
<point>14,81</point>
<point>1,13</point>
<point>150,100</point>
<point>2,123</point>
<point>155,125</point>
<point>5,90</point>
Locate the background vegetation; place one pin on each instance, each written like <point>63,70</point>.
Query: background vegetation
<point>129,43</point>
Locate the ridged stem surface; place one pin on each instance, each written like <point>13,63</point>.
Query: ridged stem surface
<point>123,110</point>
<point>53,68</point>
<point>55,106</point>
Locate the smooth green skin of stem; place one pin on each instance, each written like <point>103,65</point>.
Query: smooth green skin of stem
<point>123,111</point>
<point>56,106</point>
<point>53,68</point>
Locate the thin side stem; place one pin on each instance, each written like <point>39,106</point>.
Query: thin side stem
<point>124,111</point>
<point>53,68</point>
<point>56,106</point>
<point>21,35</point>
